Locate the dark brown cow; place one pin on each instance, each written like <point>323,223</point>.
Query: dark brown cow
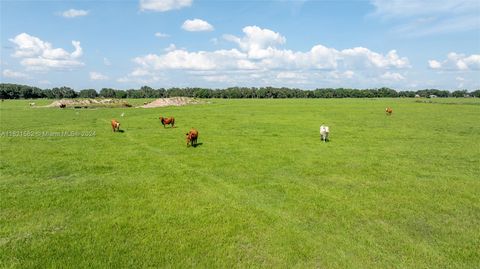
<point>388,111</point>
<point>115,125</point>
<point>167,121</point>
<point>63,105</point>
<point>192,137</point>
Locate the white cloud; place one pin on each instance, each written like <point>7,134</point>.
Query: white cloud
<point>457,62</point>
<point>256,41</point>
<point>359,56</point>
<point>349,74</point>
<point>434,64</point>
<point>392,76</point>
<point>197,25</point>
<point>13,74</point>
<point>171,47</point>
<point>39,55</point>
<point>161,35</point>
<point>426,17</point>
<point>73,13</point>
<point>97,76</point>
<point>163,5</point>
<point>290,75</point>
<point>259,54</point>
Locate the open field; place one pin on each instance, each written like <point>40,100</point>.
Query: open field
<point>260,191</point>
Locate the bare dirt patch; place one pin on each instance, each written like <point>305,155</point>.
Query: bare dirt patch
<point>173,101</point>
<point>89,103</point>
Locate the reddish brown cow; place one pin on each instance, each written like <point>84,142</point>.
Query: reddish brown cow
<point>167,121</point>
<point>115,125</point>
<point>388,111</point>
<point>192,137</point>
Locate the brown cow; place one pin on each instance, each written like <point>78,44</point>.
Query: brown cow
<point>388,111</point>
<point>63,105</point>
<point>115,125</point>
<point>192,137</point>
<point>167,121</point>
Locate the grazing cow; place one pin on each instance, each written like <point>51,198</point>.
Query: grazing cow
<point>63,105</point>
<point>388,111</point>
<point>167,121</point>
<point>324,130</point>
<point>192,137</point>
<point>32,104</point>
<point>115,125</point>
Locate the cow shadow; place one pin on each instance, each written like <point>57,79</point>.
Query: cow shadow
<point>198,144</point>
<point>121,131</point>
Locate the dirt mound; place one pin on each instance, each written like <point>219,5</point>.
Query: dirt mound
<point>173,101</point>
<point>89,103</point>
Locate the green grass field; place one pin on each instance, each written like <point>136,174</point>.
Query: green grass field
<point>260,190</point>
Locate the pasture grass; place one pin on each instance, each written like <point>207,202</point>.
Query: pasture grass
<point>261,190</point>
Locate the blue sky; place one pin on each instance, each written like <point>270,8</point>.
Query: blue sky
<point>196,43</point>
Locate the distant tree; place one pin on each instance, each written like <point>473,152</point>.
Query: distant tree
<point>88,93</point>
<point>63,92</point>
<point>48,94</point>
<point>107,93</point>
<point>475,93</point>
<point>131,93</point>
<point>387,92</point>
<point>16,91</point>
<point>459,93</point>
<point>120,94</point>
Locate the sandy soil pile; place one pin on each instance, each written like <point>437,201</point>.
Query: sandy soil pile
<point>173,101</point>
<point>88,102</point>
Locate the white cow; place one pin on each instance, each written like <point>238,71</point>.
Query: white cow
<point>32,104</point>
<point>324,130</point>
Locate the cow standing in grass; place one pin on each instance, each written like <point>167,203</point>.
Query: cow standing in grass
<point>388,111</point>
<point>115,125</point>
<point>167,121</point>
<point>324,130</point>
<point>192,137</point>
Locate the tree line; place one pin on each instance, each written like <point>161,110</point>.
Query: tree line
<point>16,91</point>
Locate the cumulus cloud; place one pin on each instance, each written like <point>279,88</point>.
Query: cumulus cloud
<point>392,76</point>
<point>14,74</point>
<point>163,5</point>
<point>197,25</point>
<point>256,41</point>
<point>434,64</point>
<point>457,62</point>
<point>259,52</point>
<point>426,17</point>
<point>97,76</point>
<point>73,13</point>
<point>362,57</point>
<point>170,47</point>
<point>36,54</point>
